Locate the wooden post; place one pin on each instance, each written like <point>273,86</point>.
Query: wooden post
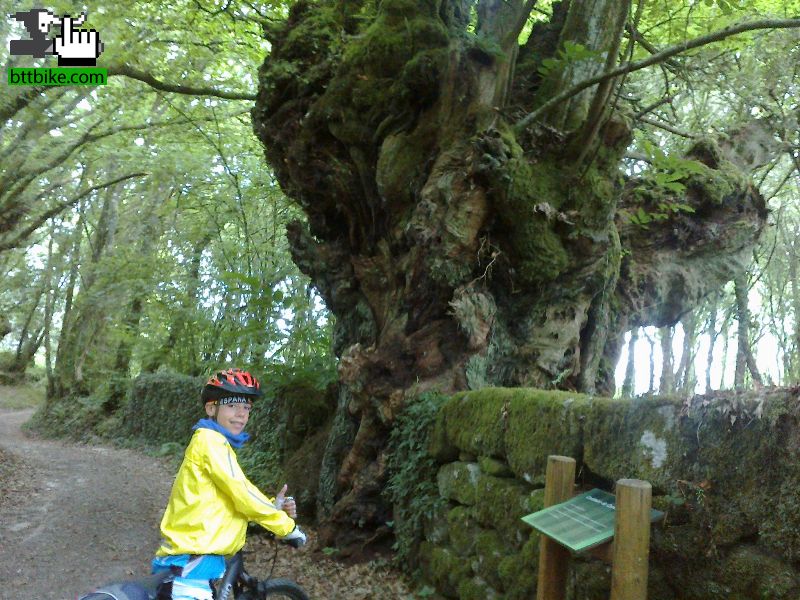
<point>631,540</point>
<point>553,557</point>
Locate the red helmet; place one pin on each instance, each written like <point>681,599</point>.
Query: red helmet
<point>233,382</point>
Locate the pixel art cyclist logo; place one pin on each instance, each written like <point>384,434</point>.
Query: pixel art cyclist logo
<point>73,47</point>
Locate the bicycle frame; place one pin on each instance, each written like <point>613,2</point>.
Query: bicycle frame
<point>228,582</point>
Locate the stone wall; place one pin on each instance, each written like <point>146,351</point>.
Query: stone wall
<point>724,469</point>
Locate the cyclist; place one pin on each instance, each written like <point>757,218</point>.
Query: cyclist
<point>212,500</point>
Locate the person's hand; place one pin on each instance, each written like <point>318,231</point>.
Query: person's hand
<point>286,503</point>
<point>75,46</point>
<point>296,538</point>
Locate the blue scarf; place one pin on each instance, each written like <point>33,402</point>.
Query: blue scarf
<point>237,441</point>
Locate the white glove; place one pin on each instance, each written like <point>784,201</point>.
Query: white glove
<point>296,538</point>
<point>75,46</point>
<point>286,503</point>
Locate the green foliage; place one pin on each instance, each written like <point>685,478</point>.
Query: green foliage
<point>184,266</point>
<point>665,183</point>
<point>726,6</point>
<point>669,170</point>
<point>6,360</point>
<point>412,487</point>
<point>569,54</point>
<point>77,418</point>
<point>295,405</point>
<point>162,407</point>
<point>28,395</point>
<point>664,210</point>
<point>264,466</point>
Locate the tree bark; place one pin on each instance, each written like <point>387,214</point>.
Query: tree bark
<point>651,364</point>
<point>456,249</point>
<point>745,361</point>
<point>54,387</point>
<point>29,341</point>
<point>686,375</point>
<point>793,370</point>
<point>725,348</point>
<point>712,333</point>
<point>629,383</point>
<point>5,326</point>
<point>667,383</point>
<point>85,320</point>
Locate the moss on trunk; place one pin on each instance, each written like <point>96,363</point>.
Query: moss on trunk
<point>454,251</point>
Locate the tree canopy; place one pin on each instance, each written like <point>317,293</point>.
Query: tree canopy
<point>139,227</point>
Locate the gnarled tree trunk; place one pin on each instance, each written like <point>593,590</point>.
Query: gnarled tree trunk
<point>459,250</point>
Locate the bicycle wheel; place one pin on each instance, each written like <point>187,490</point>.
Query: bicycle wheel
<point>282,588</point>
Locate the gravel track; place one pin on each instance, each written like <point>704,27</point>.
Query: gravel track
<point>74,516</point>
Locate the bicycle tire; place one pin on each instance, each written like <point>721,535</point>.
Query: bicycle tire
<point>285,588</point>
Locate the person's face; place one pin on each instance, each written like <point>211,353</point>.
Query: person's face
<point>232,417</point>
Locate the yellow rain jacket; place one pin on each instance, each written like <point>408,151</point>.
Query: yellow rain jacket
<point>212,501</point>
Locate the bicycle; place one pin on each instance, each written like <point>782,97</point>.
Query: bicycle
<point>235,584</point>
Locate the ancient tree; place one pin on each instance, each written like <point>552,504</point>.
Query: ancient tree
<point>469,219</point>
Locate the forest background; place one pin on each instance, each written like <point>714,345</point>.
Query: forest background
<point>142,231</point>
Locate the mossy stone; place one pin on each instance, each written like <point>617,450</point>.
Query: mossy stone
<point>750,573</point>
<point>495,467</point>
<point>476,589</point>
<point>474,422</point>
<point>462,530</point>
<point>726,469</point>
<point>435,526</point>
<point>444,568</point>
<point>591,579</point>
<point>500,503</point>
<point>642,440</point>
<point>542,423</point>
<point>490,549</point>
<point>440,447</point>
<point>458,481</point>
<point>518,572</point>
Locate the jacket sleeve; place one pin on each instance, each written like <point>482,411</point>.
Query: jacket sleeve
<point>225,472</point>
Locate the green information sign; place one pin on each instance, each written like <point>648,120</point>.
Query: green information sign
<point>582,522</point>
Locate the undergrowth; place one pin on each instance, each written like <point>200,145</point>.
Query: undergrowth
<point>412,487</point>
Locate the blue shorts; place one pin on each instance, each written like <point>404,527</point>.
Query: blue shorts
<point>192,582</point>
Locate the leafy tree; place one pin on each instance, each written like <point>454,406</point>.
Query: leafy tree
<point>169,233</point>
<point>496,191</point>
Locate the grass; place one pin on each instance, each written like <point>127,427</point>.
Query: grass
<point>17,397</point>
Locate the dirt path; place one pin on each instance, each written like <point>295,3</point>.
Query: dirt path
<point>73,517</point>
<point>77,516</point>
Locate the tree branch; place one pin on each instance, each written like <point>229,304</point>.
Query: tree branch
<point>19,183</point>
<point>128,71</point>
<point>666,127</point>
<point>660,57</point>
<point>17,239</point>
<point>647,109</point>
<point>20,102</point>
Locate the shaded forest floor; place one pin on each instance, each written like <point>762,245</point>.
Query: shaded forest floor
<point>73,517</point>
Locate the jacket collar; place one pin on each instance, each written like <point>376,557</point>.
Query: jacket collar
<point>237,441</point>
